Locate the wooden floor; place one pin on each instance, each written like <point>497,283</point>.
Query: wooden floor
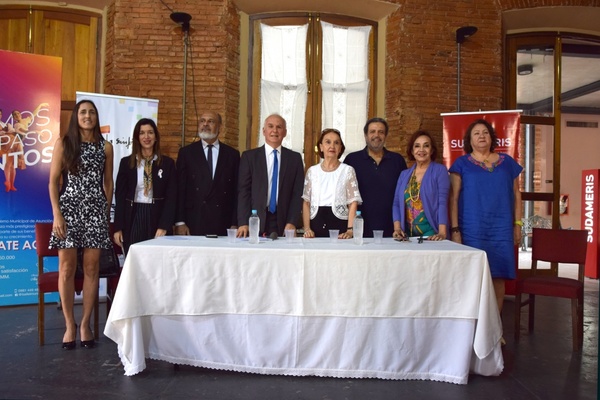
<point>540,366</point>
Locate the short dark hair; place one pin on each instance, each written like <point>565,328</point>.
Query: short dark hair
<point>413,139</point>
<point>467,138</point>
<point>325,132</point>
<point>376,119</point>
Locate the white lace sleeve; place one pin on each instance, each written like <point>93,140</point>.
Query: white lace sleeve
<point>352,191</point>
<point>307,185</point>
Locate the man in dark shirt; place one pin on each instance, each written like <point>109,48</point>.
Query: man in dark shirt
<point>377,170</point>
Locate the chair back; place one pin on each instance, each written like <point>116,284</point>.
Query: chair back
<point>560,246</point>
<point>43,231</point>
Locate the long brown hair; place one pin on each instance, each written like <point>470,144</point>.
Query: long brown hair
<point>136,151</point>
<point>72,139</point>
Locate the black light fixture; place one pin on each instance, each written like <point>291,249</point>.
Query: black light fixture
<point>462,34</point>
<point>465,32</point>
<point>183,19</point>
<point>525,69</point>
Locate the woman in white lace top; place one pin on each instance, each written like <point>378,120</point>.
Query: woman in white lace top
<point>331,194</point>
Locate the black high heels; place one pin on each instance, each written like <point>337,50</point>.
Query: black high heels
<point>88,344</point>
<point>69,345</point>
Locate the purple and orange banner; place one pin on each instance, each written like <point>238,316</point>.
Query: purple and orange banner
<point>30,96</point>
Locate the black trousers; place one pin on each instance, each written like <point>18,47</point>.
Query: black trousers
<point>271,223</point>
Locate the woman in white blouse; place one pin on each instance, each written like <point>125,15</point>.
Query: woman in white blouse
<point>331,194</point>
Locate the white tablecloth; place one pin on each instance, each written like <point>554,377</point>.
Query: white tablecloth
<point>392,310</point>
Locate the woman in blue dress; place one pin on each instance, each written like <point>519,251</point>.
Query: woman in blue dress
<point>485,204</point>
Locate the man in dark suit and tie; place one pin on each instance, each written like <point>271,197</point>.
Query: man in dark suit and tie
<point>207,174</point>
<point>271,180</point>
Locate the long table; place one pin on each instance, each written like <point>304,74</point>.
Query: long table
<point>395,310</point>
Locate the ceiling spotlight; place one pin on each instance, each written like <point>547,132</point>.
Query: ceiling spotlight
<point>525,69</point>
<point>182,19</point>
<point>465,32</point>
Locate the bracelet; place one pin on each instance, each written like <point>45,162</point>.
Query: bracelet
<point>349,228</point>
<point>456,229</point>
<point>520,223</point>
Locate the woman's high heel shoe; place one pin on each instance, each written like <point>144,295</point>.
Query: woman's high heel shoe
<point>88,344</point>
<point>68,345</point>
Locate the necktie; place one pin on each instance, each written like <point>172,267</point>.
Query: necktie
<point>273,200</point>
<point>147,175</point>
<point>209,158</point>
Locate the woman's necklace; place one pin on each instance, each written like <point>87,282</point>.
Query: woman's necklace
<point>486,158</point>
<point>485,161</point>
<point>414,189</point>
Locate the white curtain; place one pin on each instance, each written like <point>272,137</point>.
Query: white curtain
<point>283,80</point>
<point>345,82</point>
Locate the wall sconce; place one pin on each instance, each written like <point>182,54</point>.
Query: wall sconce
<point>183,19</point>
<point>465,32</point>
<point>525,69</point>
<point>462,34</point>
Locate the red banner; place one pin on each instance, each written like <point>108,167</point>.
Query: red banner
<point>506,124</point>
<point>589,219</point>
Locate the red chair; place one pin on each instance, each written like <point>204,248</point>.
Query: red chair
<point>48,281</point>
<point>113,281</point>
<point>559,246</point>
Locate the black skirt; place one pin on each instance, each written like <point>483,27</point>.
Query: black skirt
<point>325,220</point>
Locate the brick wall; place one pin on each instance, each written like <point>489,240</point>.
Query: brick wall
<point>421,61</point>
<point>144,58</point>
<point>422,64</point>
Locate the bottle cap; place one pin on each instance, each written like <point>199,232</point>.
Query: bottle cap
<point>357,213</point>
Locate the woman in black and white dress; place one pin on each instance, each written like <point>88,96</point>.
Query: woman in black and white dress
<point>83,162</point>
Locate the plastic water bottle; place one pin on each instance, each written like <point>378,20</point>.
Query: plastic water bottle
<point>358,228</point>
<point>254,224</point>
